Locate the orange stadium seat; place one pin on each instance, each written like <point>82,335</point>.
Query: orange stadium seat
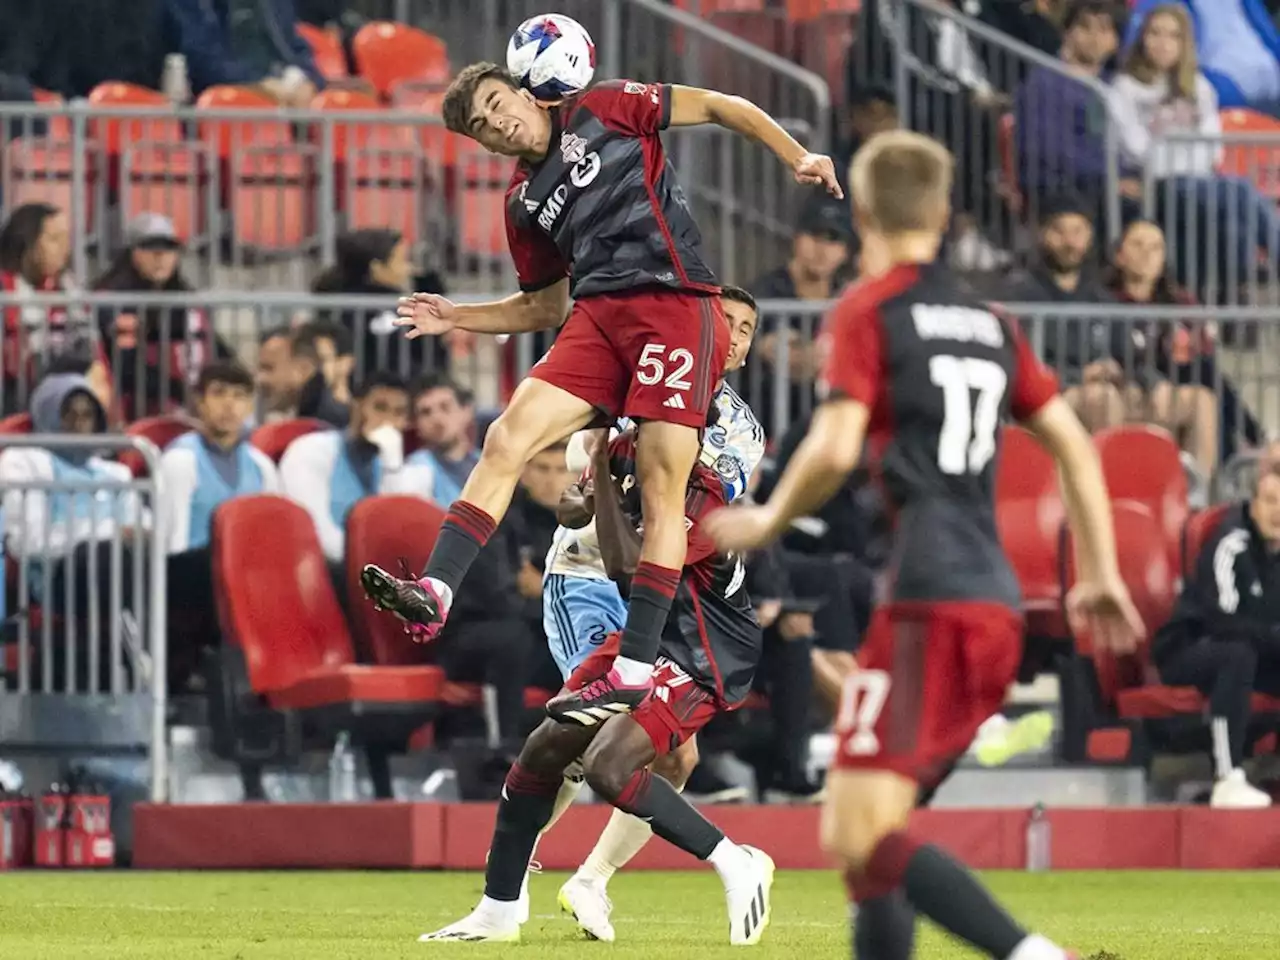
<point>1199,527</point>
<point>274,438</point>
<point>1029,517</point>
<point>390,54</point>
<point>41,169</point>
<point>1142,464</point>
<point>161,431</point>
<point>287,648</point>
<point>326,47</point>
<point>113,134</point>
<point>1261,164</point>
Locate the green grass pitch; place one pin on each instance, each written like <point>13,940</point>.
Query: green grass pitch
<point>378,916</point>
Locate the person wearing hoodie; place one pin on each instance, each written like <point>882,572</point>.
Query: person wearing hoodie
<point>68,539</point>
<point>199,472</point>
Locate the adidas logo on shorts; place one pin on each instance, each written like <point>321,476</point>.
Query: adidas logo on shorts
<point>675,402</point>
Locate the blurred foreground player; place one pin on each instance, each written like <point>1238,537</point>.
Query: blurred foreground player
<point>593,212</point>
<point>926,373</point>
<point>709,649</point>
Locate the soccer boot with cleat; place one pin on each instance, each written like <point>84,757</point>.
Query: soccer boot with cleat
<point>598,701</point>
<point>1234,792</point>
<point>415,601</point>
<point>586,901</point>
<point>476,927</point>
<point>747,897</point>
<point>999,739</point>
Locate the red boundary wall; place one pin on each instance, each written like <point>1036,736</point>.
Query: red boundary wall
<point>456,837</point>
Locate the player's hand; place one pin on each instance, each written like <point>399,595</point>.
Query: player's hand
<point>813,169</point>
<point>1104,610</point>
<point>739,529</point>
<point>426,314</point>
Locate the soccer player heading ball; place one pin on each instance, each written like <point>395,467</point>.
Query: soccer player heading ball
<point>552,56</point>
<point>593,211</point>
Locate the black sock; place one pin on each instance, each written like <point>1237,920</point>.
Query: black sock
<point>465,531</point>
<point>672,817</point>
<point>527,801</point>
<point>945,892</point>
<point>884,928</point>
<point>652,590</point>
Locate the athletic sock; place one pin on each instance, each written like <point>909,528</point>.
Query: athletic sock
<point>623,837</point>
<point>1224,760</point>
<point>729,860</point>
<point>652,590</point>
<point>465,531</point>
<point>570,787</point>
<point>525,808</point>
<point>884,927</point>
<point>672,817</point>
<point>942,890</point>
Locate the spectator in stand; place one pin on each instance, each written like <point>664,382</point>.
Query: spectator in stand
<point>1180,394</point>
<point>274,376</point>
<point>337,361</point>
<point>443,417</point>
<point>292,380</point>
<point>819,259</point>
<point>1087,354</point>
<point>198,472</point>
<point>176,341</point>
<point>1160,90</point>
<point>329,471</point>
<point>244,43</point>
<point>1224,635</point>
<point>375,263</point>
<point>1037,23</point>
<point>72,532</point>
<point>35,248</point>
<point>1061,122</point>
<point>871,109</point>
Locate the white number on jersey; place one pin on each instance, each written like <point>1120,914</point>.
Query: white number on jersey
<point>968,439</point>
<point>862,699</point>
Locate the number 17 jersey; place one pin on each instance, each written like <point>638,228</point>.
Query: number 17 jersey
<point>939,374</point>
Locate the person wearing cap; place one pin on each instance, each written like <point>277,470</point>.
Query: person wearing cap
<point>155,352</point>
<point>1224,635</point>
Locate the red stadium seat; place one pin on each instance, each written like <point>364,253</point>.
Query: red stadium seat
<point>274,438</point>
<point>390,54</point>
<point>1142,464</point>
<point>114,134</point>
<point>1198,529</point>
<point>161,431</point>
<point>16,423</point>
<point>1026,470</point>
<point>1256,162</point>
<point>383,530</point>
<point>1029,516</point>
<point>326,48</point>
<point>287,638</point>
<point>41,169</point>
<point>1008,185</point>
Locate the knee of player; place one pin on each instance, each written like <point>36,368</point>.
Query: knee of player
<point>606,773</point>
<point>549,748</point>
<point>676,767</point>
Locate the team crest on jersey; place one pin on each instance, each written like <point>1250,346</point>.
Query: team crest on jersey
<point>573,148</point>
<point>727,466</point>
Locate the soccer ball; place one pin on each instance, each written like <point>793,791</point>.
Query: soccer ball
<point>552,56</point>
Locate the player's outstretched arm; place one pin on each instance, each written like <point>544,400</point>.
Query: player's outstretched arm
<point>826,456</point>
<point>1102,600</point>
<point>692,106</point>
<point>426,314</point>
<point>619,542</point>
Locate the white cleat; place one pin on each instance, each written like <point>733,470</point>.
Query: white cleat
<point>522,905</point>
<point>587,902</point>
<point>748,899</point>
<point>1234,792</point>
<point>474,928</point>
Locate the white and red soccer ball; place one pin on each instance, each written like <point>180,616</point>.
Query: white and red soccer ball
<point>552,56</point>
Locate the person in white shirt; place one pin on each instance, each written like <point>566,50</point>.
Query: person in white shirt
<point>329,472</point>
<point>1160,91</point>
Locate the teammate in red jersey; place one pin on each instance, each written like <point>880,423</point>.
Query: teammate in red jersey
<point>593,211</point>
<point>926,373</point>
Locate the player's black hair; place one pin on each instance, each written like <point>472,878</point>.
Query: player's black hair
<point>229,372</point>
<point>440,381</point>
<point>343,343</point>
<point>1080,9</point>
<point>379,380</point>
<point>739,295</point>
<point>456,108</point>
<point>871,94</point>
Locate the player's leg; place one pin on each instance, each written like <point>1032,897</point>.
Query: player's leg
<point>584,895</point>
<point>676,345</point>
<point>577,378</point>
<point>528,796</point>
<point>617,767</point>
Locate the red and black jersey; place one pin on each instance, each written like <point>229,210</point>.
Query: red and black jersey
<point>940,373</point>
<point>604,206</point>
<point>711,633</point>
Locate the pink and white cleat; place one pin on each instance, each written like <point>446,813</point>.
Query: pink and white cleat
<point>599,700</point>
<point>415,601</point>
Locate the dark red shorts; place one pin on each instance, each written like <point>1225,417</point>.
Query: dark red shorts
<point>929,675</point>
<point>678,709</point>
<point>650,355</point>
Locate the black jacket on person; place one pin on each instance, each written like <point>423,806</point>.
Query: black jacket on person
<point>316,401</point>
<point>1232,595</point>
<point>378,343</point>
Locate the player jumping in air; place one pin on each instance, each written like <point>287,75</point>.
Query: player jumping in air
<point>923,371</point>
<point>710,645</point>
<point>593,211</point>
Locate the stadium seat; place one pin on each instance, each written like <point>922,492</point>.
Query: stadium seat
<point>384,530</point>
<point>1257,163</point>
<point>161,431</point>
<point>42,169</point>
<point>1029,517</point>
<point>287,651</point>
<point>274,438</point>
<point>326,48</point>
<point>1142,464</point>
<point>1199,527</point>
<point>16,423</point>
<point>392,54</point>
<point>114,134</point>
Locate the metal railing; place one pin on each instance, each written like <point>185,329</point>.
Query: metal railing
<point>85,643</point>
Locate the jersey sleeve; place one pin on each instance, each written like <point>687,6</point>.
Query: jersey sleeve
<point>636,109</point>
<point>705,496</point>
<point>537,259</point>
<point>852,353</point>
<point>1034,384</point>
